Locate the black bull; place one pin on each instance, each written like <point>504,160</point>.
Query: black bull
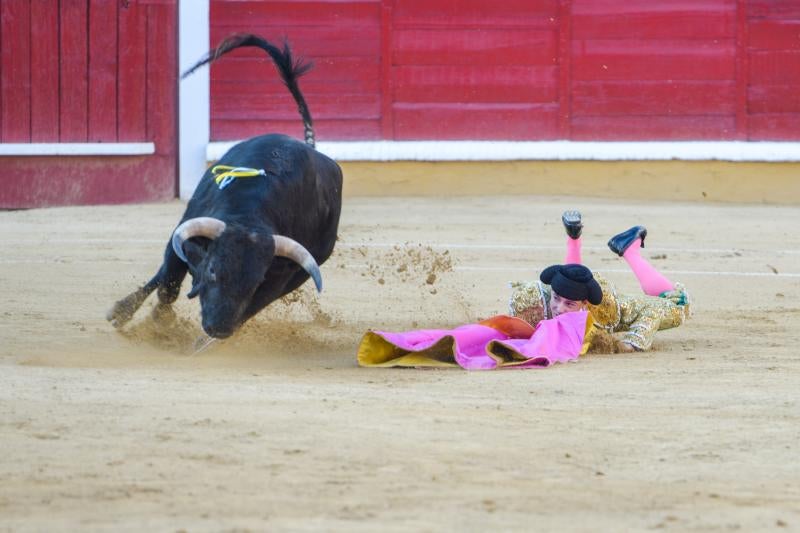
<point>259,238</point>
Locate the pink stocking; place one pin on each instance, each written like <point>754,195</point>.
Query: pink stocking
<point>573,251</point>
<point>651,281</point>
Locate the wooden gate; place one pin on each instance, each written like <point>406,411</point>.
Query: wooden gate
<point>88,96</point>
<point>521,70</point>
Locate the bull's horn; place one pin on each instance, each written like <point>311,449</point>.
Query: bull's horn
<point>195,227</point>
<point>286,247</point>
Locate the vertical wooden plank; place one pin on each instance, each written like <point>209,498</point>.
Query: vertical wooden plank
<point>132,70</point>
<point>742,70</point>
<point>1,74</point>
<point>387,84</point>
<point>44,71</point>
<point>162,54</point>
<point>74,71</point>
<point>565,69</point>
<point>16,69</point>
<point>102,71</point>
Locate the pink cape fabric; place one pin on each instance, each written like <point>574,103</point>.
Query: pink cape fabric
<point>480,347</point>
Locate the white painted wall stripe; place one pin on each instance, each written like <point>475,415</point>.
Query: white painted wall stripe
<point>547,151</point>
<point>76,149</point>
<point>194,99</point>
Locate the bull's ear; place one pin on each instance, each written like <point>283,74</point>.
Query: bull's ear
<point>194,291</point>
<point>195,250</point>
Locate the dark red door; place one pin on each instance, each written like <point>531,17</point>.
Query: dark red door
<point>90,72</point>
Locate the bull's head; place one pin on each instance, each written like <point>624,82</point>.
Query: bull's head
<point>229,267</point>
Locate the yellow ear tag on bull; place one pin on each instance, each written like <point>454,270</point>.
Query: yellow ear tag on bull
<point>224,174</point>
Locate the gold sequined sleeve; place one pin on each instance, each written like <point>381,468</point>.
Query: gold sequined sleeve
<point>529,301</point>
<point>606,314</point>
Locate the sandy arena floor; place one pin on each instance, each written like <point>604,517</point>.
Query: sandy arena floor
<point>278,429</point>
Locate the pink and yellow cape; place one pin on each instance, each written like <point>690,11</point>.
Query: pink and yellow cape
<point>498,342</point>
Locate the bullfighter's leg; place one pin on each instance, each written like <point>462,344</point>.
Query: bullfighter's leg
<point>574,227</point>
<point>627,245</point>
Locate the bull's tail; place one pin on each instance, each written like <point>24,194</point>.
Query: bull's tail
<point>289,68</point>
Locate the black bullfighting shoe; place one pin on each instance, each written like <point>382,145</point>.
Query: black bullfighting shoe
<point>572,223</point>
<point>620,242</point>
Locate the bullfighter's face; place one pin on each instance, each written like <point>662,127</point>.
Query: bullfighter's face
<point>560,305</point>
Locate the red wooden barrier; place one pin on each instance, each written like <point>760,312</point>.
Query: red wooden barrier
<point>774,69</point>
<point>88,71</point>
<point>518,69</point>
<point>44,75</point>
<point>98,71</point>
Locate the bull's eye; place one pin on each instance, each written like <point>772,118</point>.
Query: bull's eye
<point>212,274</point>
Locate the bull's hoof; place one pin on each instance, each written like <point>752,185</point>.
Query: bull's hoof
<point>202,343</point>
<point>163,315</point>
<point>122,311</point>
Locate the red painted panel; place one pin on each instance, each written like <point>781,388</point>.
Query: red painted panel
<point>74,71</point>
<point>310,86</point>
<point>289,14</point>
<point>654,128</point>
<point>355,74</point>
<point>786,9</point>
<point>386,73</point>
<point>564,68</point>
<point>775,67</point>
<point>476,121</point>
<point>132,68</point>
<point>64,26</point>
<point>29,181</point>
<point>322,106</point>
<point>775,127</point>
<point>653,60</point>
<point>307,42</point>
<point>487,47</point>
<point>162,82</point>
<point>102,71</point>
<point>44,71</point>
<point>648,19</point>
<point>16,69</point>
<point>742,70</point>
<point>508,13</point>
<point>601,7</point>
<point>654,98</point>
<point>326,130</point>
<point>475,84</point>
<point>773,99</point>
<point>774,34</point>
<point>662,70</point>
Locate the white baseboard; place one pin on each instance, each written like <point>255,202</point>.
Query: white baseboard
<point>547,151</point>
<point>61,149</point>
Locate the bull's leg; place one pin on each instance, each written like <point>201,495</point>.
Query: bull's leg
<point>122,311</point>
<point>266,294</point>
<point>167,280</point>
<point>174,270</point>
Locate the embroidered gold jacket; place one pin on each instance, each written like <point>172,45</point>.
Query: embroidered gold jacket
<point>639,317</point>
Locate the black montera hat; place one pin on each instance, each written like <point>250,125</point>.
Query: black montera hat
<point>574,282</point>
